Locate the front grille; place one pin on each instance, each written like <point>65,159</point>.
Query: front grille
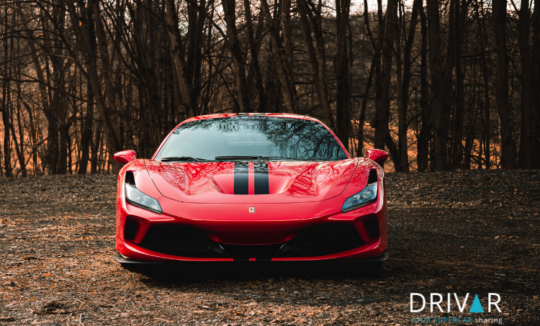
<point>321,240</point>
<point>327,239</point>
<point>176,240</point>
<point>252,251</point>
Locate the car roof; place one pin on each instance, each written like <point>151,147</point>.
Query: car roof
<point>253,114</point>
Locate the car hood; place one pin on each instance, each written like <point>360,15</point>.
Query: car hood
<point>251,182</point>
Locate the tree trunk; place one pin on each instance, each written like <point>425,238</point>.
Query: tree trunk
<point>469,141</point>
<point>527,120</point>
<point>6,99</point>
<point>486,131</point>
<point>286,27</point>
<point>447,87</point>
<point>19,144</point>
<point>402,115</point>
<point>33,136</point>
<point>7,144</point>
<point>229,10</point>
<point>178,55</point>
<point>55,113</point>
<point>19,148</point>
<point>423,138</point>
<point>64,145</point>
<point>86,137</point>
<point>403,100</point>
<point>91,53</point>
<point>5,120</point>
<point>373,71</point>
<point>316,59</point>
<point>113,137</point>
<point>282,66</point>
<point>382,95</point>
<point>535,22</point>
<point>343,100</point>
<point>255,59</point>
<point>435,58</point>
<point>196,18</point>
<point>1,157</point>
<point>508,146</point>
<point>460,16</point>
<point>95,146</point>
<point>438,83</point>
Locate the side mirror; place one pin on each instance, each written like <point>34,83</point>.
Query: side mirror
<point>377,155</point>
<point>125,157</point>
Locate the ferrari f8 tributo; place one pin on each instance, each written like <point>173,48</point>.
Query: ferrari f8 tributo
<point>251,187</point>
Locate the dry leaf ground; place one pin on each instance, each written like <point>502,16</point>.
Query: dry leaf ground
<point>462,232</point>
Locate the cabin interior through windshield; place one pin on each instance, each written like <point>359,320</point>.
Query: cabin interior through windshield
<point>253,137</point>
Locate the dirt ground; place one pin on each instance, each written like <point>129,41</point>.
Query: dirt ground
<point>462,232</point>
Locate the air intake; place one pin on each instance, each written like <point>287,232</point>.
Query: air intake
<point>176,240</point>
<point>327,239</point>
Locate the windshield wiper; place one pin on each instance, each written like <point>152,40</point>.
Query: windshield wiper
<point>279,158</point>
<point>258,158</point>
<point>236,157</point>
<point>182,158</point>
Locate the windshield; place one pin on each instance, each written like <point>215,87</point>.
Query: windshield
<point>251,137</point>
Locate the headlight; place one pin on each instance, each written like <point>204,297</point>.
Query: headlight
<point>363,198</point>
<point>138,198</point>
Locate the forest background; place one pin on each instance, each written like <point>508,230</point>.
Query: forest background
<point>440,84</point>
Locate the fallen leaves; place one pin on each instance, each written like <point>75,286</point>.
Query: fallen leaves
<point>51,307</point>
<point>56,261</point>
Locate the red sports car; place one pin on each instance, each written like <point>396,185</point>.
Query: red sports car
<point>251,187</point>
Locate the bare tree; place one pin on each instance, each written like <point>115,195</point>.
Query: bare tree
<point>282,62</point>
<point>82,79</point>
<point>403,84</point>
<point>460,22</point>
<point>382,89</point>
<point>527,122</point>
<point>423,139</point>
<point>229,9</point>
<point>535,65</point>
<point>343,95</point>
<point>178,55</point>
<point>255,66</point>
<point>508,145</point>
<point>311,15</point>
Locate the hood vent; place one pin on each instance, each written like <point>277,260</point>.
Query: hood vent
<point>130,178</point>
<point>372,176</point>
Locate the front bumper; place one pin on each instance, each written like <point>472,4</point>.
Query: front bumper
<point>232,236</point>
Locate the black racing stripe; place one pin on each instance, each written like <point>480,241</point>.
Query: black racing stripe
<point>261,179</point>
<point>241,178</point>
